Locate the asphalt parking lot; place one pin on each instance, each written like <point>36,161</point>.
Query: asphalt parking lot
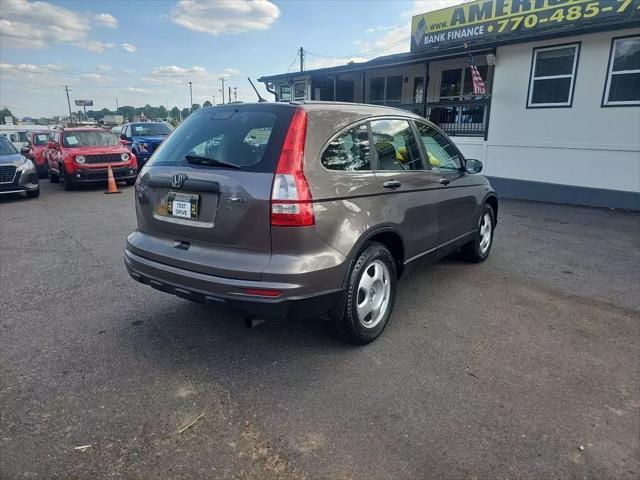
<point>526,366</point>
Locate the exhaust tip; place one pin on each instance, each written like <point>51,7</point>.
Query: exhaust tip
<point>253,322</point>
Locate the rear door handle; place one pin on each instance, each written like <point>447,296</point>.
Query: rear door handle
<point>391,184</point>
<point>444,181</point>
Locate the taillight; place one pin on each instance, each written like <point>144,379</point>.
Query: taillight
<point>291,202</point>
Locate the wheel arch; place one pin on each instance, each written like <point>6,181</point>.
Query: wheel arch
<point>387,236</point>
<point>492,200</point>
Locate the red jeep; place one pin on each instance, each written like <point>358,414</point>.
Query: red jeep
<point>38,143</point>
<point>82,155</point>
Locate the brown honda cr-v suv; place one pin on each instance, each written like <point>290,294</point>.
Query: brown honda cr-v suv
<point>305,209</point>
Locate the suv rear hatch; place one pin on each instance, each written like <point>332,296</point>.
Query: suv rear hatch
<point>203,201</point>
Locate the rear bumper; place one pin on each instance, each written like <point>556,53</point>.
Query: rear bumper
<point>205,288</point>
<point>95,175</point>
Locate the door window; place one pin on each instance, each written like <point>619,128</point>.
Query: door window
<point>441,154</point>
<point>349,151</point>
<point>395,145</point>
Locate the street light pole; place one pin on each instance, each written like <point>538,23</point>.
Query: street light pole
<point>191,96</point>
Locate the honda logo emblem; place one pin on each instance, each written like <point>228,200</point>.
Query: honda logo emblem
<point>178,179</point>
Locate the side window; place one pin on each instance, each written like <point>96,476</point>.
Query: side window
<point>395,145</point>
<point>623,75</point>
<point>552,76</point>
<point>349,151</point>
<point>441,154</point>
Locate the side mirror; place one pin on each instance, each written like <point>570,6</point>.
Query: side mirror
<point>473,166</point>
<point>25,151</point>
<point>52,145</point>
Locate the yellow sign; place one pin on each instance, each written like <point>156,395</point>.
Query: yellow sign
<point>482,20</point>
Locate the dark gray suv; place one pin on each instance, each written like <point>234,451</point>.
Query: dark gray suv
<point>305,209</point>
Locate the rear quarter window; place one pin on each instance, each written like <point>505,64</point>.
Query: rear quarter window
<point>349,151</point>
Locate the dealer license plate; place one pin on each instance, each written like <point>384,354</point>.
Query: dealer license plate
<point>184,205</point>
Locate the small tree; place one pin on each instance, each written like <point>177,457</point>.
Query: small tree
<point>206,104</point>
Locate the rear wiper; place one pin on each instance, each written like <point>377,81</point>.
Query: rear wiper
<point>202,160</point>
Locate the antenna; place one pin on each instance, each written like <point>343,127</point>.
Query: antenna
<point>260,99</point>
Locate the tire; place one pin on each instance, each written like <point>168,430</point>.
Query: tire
<point>42,172</point>
<point>369,303</point>
<point>66,180</point>
<point>53,177</point>
<point>477,250</point>
<point>33,193</point>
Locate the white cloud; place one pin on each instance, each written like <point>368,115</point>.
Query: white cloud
<point>105,20</point>
<point>225,16</point>
<point>34,25</point>
<point>95,45</point>
<point>129,48</point>
<point>40,24</point>
<point>104,68</point>
<point>9,68</point>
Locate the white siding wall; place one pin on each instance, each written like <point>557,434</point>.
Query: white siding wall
<point>585,145</point>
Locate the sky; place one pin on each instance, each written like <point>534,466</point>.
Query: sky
<point>146,51</point>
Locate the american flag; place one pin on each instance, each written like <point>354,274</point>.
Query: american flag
<point>479,88</point>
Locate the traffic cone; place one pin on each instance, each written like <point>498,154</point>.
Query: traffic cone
<point>111,182</point>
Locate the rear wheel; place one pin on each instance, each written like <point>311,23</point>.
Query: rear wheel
<point>477,250</point>
<point>370,295</point>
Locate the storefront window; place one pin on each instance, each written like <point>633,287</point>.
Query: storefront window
<point>623,77</point>
<point>300,91</point>
<point>450,84</point>
<point>394,89</point>
<point>418,90</point>
<point>553,76</point>
<point>376,90</point>
<point>285,93</point>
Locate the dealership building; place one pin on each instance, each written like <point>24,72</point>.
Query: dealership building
<point>560,117</point>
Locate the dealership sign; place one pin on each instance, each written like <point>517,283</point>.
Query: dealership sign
<point>84,103</point>
<point>482,21</point>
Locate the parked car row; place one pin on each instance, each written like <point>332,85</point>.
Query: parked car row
<point>82,155</point>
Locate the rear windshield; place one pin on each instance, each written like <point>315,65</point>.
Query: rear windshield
<point>6,147</point>
<point>243,137</point>
<point>40,139</point>
<point>90,138</point>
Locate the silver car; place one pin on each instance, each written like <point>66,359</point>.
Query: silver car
<point>17,173</point>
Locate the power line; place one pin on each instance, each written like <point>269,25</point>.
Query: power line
<point>361,54</point>
<point>293,61</point>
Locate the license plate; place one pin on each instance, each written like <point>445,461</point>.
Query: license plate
<point>183,205</point>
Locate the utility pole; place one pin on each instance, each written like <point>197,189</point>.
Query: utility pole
<point>222,80</point>
<point>214,100</point>
<point>117,106</point>
<point>235,94</point>
<point>191,96</point>
<point>301,59</point>
<point>66,89</point>
<point>229,95</point>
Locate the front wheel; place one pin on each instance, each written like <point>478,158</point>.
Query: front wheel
<point>477,250</point>
<point>67,181</point>
<point>370,296</point>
